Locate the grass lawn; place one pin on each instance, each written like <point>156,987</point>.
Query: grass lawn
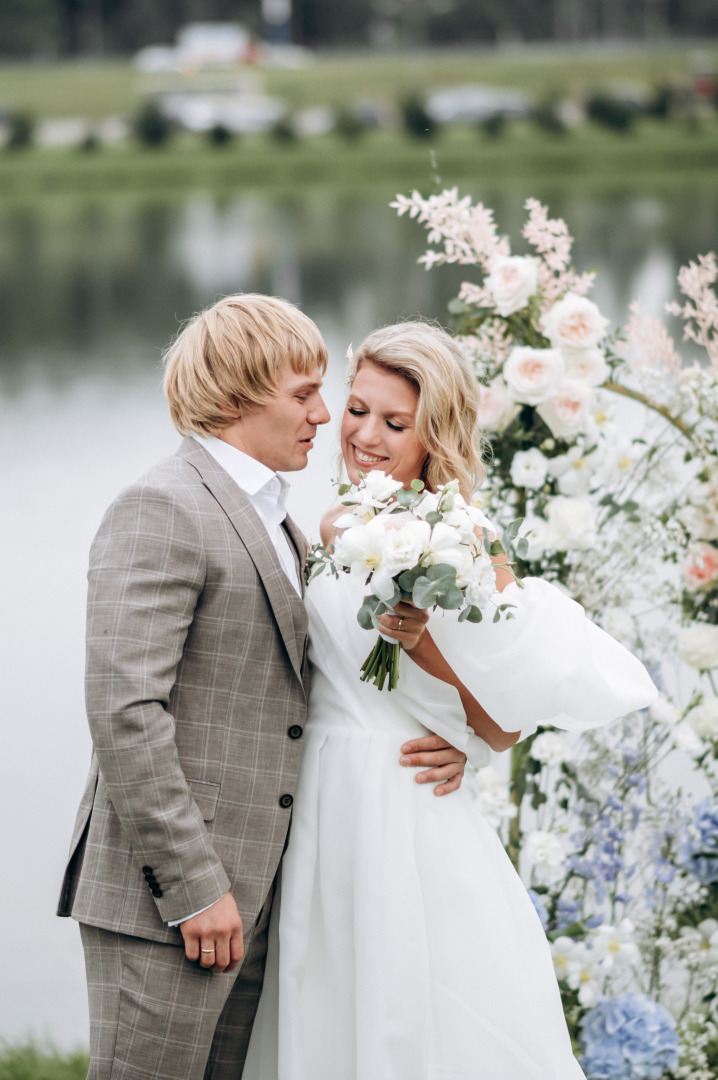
<point>32,1061</point>
<point>656,154</point>
<point>114,88</point>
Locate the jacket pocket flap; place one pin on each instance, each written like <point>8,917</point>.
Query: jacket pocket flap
<point>205,794</point>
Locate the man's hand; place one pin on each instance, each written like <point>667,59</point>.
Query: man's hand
<point>445,763</point>
<point>214,937</point>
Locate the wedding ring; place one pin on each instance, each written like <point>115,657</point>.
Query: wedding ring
<point>401,619</point>
<point>208,950</point>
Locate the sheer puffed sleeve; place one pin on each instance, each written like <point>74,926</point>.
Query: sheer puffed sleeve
<point>548,665</point>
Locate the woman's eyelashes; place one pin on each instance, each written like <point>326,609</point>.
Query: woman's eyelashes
<point>362,412</point>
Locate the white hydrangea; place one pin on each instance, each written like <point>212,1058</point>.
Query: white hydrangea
<point>528,468</point>
<point>550,748</point>
<point>547,854</point>
<point>704,719</point>
<point>698,646</point>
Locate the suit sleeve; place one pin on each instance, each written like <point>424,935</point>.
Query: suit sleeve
<point>147,569</point>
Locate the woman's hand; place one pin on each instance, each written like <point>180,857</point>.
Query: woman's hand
<point>406,624</point>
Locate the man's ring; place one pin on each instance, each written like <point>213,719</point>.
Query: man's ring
<point>401,619</point>
<point>208,950</point>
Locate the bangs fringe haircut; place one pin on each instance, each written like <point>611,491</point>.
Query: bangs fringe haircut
<point>228,359</point>
<point>447,413</point>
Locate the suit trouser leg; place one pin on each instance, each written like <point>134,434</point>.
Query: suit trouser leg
<point>231,1037</point>
<point>153,1014</point>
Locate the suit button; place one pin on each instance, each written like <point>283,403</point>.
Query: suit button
<point>157,892</point>
<point>295,731</point>
<point>285,801</point>
<point>147,870</point>
<point>150,879</point>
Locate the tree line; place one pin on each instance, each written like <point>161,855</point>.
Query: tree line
<point>57,28</point>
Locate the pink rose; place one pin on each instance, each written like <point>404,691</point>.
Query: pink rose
<point>496,408</point>
<point>566,413</point>
<point>701,567</point>
<point>532,375</point>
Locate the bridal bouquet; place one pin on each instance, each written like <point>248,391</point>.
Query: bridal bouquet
<point>432,549</point>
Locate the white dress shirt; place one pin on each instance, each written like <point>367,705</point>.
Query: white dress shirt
<point>267,493</point>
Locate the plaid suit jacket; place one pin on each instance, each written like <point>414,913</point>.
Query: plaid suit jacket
<point>196,698</point>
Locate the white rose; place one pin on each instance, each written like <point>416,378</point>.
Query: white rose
<point>512,281</point>
<point>572,470</point>
<point>571,524</point>
<point>404,541</point>
<point>574,323</point>
<point>704,719</point>
<point>377,487</point>
<point>445,547</point>
<point>698,646</point>
<point>550,748</point>
<point>586,365</point>
<point>685,739</point>
<point>528,468</point>
<point>494,799</point>
<point>532,375</point>
<point>496,407</point>
<point>547,855</point>
<point>536,532</point>
<point>618,623</point>
<point>565,413</point>
<point>482,584</point>
<point>663,711</point>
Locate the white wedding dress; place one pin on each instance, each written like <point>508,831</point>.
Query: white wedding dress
<point>405,947</point>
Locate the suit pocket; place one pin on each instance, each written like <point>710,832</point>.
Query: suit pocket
<point>205,794</point>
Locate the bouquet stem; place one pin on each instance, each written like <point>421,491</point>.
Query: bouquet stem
<point>382,663</point>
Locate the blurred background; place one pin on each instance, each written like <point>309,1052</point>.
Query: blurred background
<point>156,156</point>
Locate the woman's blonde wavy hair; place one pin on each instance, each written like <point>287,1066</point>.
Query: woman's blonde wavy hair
<point>228,358</point>
<point>446,421</point>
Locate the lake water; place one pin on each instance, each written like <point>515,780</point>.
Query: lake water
<point>91,292</point>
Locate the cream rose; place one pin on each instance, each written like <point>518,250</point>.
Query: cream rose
<point>566,412</point>
<point>532,375</point>
<point>528,468</point>
<point>704,719</point>
<point>586,365</point>
<point>512,282</point>
<point>496,406</point>
<point>571,524</point>
<point>698,646</point>
<point>574,323</point>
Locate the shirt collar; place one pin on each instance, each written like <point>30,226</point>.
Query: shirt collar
<point>254,478</point>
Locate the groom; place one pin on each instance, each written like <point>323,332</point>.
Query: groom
<point>196,692</point>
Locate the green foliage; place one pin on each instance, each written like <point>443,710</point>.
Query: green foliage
<point>611,112</point>
<point>437,586</point>
<point>494,126</point>
<point>349,125</point>
<point>41,1061</point>
<point>284,131</point>
<point>416,119</point>
<point>546,117</point>
<point>21,131</point>
<point>151,126</point>
<point>219,135</point>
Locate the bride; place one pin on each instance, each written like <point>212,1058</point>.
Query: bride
<point>404,945</point>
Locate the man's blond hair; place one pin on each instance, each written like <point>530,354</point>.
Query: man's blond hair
<point>228,359</point>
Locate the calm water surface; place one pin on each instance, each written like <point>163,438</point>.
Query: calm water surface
<point>91,292</point>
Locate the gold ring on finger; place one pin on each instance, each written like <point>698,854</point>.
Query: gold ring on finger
<point>208,950</point>
<point>401,619</point>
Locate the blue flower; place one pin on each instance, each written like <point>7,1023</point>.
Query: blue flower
<point>540,909</point>
<point>630,1037</point>
<point>699,848</point>
<point>567,912</point>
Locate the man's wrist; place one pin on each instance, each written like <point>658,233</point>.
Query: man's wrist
<point>178,922</point>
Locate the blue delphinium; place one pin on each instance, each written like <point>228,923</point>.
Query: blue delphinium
<point>699,849</point>
<point>540,909</point>
<point>630,1037</point>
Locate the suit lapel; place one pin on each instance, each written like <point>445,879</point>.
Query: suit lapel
<point>237,506</point>
<point>299,546</point>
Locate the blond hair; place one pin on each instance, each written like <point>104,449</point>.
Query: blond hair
<point>446,421</point>
<point>228,359</point>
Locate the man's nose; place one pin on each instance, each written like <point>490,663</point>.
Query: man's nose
<point>320,413</point>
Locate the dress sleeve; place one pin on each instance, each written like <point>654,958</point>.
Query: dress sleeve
<point>549,664</point>
<point>437,706</point>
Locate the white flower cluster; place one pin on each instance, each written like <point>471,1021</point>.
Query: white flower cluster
<point>381,539</point>
<point>584,965</point>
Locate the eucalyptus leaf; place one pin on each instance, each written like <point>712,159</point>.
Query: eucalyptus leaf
<point>433,518</point>
<point>417,485</point>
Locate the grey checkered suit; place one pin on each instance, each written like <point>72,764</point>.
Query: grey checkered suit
<point>196,699</point>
